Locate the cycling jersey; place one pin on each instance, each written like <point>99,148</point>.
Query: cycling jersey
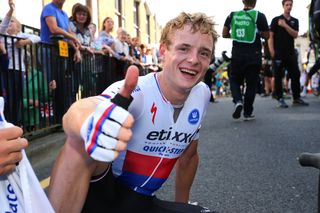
<point>157,141</point>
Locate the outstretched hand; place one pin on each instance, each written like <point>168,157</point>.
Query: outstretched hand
<point>107,131</point>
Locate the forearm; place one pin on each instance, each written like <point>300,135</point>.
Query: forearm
<point>185,172</point>
<point>73,168</point>
<point>291,31</point>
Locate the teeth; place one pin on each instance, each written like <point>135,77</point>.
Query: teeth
<point>188,71</point>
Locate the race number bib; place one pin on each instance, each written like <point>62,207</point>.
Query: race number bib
<point>243,26</point>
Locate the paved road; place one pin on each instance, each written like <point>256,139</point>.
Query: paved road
<point>252,166</point>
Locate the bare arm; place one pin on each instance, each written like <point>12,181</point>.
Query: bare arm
<point>54,29</point>
<point>185,172</point>
<point>270,44</point>
<point>265,35</point>
<point>225,32</point>
<point>292,32</point>
<point>11,5</point>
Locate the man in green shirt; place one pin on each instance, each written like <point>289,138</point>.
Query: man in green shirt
<point>246,28</point>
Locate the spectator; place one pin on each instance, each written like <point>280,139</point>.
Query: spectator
<point>13,79</point>
<point>135,42</point>
<point>247,27</point>
<point>93,29</point>
<point>79,26</point>
<point>121,46</point>
<point>54,21</point>
<point>284,29</point>
<point>4,60</point>
<point>105,41</point>
<point>35,96</point>
<point>267,72</point>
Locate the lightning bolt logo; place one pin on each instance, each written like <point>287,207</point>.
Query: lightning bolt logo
<point>153,111</point>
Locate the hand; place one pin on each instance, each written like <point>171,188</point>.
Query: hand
<point>52,85</point>
<point>11,4</point>
<point>10,148</point>
<point>282,23</point>
<point>77,56</point>
<point>107,131</point>
<point>22,43</point>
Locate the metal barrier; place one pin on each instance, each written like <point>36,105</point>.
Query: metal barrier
<point>27,84</point>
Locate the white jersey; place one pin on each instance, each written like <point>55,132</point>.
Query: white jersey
<point>157,140</point>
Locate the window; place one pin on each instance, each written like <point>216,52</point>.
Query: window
<point>119,8</point>
<point>148,28</point>
<point>136,18</point>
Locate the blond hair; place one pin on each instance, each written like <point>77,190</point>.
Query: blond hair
<point>197,21</point>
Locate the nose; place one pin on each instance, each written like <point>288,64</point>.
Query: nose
<point>193,57</point>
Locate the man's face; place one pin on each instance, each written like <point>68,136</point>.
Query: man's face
<point>186,60</point>
<point>287,6</point>
<point>59,2</point>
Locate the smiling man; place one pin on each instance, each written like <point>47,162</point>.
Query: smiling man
<point>115,160</point>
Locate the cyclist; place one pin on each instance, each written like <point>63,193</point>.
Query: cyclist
<point>167,107</point>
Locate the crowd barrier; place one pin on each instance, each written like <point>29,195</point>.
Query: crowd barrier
<point>41,81</point>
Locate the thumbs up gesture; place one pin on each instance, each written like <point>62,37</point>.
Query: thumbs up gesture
<point>107,130</point>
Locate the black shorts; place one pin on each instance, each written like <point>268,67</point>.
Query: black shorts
<point>107,194</point>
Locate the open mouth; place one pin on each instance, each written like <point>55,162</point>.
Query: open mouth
<point>189,72</point>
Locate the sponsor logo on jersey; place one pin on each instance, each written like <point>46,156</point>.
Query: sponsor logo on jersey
<point>193,117</point>
<point>137,89</point>
<point>162,135</point>
<point>153,111</point>
<point>163,150</point>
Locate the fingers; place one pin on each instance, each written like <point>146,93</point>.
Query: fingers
<point>130,81</point>
<point>16,145</point>
<point>7,169</point>
<point>10,133</point>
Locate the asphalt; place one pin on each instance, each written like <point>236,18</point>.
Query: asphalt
<point>245,166</point>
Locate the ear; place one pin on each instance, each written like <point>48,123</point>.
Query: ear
<point>162,49</point>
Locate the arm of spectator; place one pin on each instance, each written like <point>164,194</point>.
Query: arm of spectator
<point>12,7</point>
<point>10,148</point>
<point>265,34</point>
<point>225,32</point>
<point>2,49</point>
<point>270,45</point>
<point>54,29</point>
<point>27,39</point>
<point>186,169</point>
<point>292,32</point>
<point>6,21</point>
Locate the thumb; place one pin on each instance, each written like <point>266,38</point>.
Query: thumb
<point>124,98</point>
<point>130,81</point>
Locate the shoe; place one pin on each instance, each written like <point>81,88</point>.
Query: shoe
<point>249,117</point>
<point>274,96</point>
<point>299,102</point>
<point>265,95</point>
<point>304,92</point>
<point>282,103</point>
<point>237,111</point>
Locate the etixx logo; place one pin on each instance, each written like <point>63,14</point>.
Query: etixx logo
<point>193,117</point>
